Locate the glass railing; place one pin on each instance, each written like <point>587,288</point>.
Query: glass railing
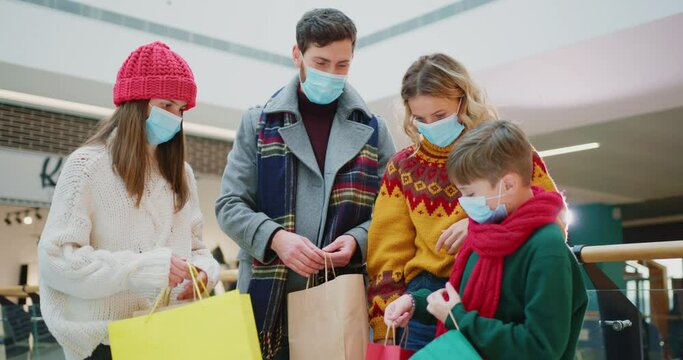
<point>24,335</point>
<point>642,321</point>
<point>653,331</point>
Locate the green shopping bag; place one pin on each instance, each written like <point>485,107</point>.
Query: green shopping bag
<point>451,345</point>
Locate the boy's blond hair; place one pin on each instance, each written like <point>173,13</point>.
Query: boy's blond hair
<point>489,151</point>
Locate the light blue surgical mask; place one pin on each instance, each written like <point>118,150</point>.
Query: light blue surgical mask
<point>161,125</point>
<point>322,88</point>
<point>442,132</point>
<point>477,209</point>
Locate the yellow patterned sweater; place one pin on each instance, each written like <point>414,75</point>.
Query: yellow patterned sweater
<point>416,202</point>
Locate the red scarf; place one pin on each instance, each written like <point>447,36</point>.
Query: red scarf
<point>493,242</point>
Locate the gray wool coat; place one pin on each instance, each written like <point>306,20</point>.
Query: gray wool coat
<point>236,206</point>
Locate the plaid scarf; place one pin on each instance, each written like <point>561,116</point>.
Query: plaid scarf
<point>351,201</point>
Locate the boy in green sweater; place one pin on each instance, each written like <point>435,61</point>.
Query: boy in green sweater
<point>522,292</point>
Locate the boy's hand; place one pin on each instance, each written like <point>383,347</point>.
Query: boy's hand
<point>452,238</point>
<point>399,311</point>
<point>437,304</point>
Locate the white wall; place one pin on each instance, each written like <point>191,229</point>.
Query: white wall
<point>19,246</point>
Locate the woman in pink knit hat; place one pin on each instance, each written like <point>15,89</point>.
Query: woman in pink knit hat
<point>125,219</point>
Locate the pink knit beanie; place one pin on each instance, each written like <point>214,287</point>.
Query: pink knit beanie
<point>155,71</point>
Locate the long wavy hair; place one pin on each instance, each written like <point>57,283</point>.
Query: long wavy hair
<point>441,76</point>
<point>128,148</point>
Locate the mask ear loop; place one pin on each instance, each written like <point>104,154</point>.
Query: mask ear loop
<point>500,192</point>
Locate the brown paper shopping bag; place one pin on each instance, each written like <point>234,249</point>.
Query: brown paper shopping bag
<point>330,320</point>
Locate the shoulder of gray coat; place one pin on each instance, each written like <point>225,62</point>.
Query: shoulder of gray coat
<point>252,114</point>
<point>381,123</point>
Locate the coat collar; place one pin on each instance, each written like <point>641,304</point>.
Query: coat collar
<point>286,100</point>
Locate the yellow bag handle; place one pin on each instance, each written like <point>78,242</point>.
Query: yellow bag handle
<point>194,274</point>
<point>166,292</point>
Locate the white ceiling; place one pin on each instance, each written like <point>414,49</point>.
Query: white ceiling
<point>267,25</point>
<point>638,159</point>
<point>486,36</point>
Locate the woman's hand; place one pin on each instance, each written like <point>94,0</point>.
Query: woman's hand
<point>179,271</point>
<point>452,238</point>
<point>188,291</point>
<point>399,312</point>
<point>438,306</point>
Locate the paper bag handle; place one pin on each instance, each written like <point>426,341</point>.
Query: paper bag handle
<point>404,338</point>
<point>450,313</point>
<point>308,280</point>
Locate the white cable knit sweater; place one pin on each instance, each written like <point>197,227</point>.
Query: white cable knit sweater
<point>101,258</point>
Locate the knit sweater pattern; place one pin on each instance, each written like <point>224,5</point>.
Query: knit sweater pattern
<point>102,258</point>
<point>416,202</point>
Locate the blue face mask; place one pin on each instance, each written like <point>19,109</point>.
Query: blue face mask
<point>477,209</point>
<point>161,126</point>
<point>322,88</point>
<point>442,132</point>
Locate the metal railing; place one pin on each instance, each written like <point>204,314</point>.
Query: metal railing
<point>625,252</point>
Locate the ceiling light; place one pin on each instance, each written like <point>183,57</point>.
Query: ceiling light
<point>28,220</point>
<point>568,149</point>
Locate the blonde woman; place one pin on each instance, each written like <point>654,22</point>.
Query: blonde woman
<point>418,224</point>
<point>125,218</point>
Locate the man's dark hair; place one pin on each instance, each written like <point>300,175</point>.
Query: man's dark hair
<point>321,27</point>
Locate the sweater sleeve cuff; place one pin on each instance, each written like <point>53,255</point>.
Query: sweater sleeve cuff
<point>420,312</point>
<point>152,270</point>
<point>458,313</point>
<point>208,265</point>
<point>361,236</point>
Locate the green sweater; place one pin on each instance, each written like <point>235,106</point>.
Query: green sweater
<point>541,308</point>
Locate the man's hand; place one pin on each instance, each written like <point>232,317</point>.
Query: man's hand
<point>341,250</point>
<point>298,253</point>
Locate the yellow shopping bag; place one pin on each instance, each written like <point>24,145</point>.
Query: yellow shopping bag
<point>218,327</point>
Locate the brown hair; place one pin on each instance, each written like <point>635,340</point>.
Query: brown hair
<point>441,76</point>
<point>128,149</point>
<point>489,151</point>
<point>321,27</point>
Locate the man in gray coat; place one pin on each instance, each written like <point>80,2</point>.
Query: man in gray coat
<point>302,176</point>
